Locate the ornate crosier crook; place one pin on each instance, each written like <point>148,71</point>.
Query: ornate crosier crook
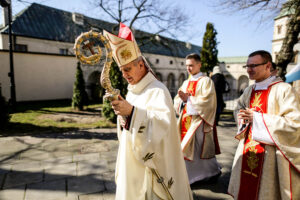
<point>86,41</point>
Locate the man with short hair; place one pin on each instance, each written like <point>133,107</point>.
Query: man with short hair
<point>221,86</point>
<point>196,104</point>
<point>267,160</point>
<point>150,164</point>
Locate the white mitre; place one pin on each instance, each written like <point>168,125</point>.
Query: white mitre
<point>124,47</point>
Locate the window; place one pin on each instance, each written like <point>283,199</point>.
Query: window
<point>157,61</point>
<point>21,47</point>
<point>279,29</point>
<point>63,51</point>
<point>182,63</point>
<point>171,62</point>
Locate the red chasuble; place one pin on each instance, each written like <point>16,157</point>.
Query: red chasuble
<point>253,153</point>
<point>187,119</point>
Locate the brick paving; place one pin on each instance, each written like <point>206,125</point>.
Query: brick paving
<point>80,165</point>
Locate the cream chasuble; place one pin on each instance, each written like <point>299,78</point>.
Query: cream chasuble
<point>279,130</point>
<point>152,142</point>
<point>204,103</point>
<point>199,143</point>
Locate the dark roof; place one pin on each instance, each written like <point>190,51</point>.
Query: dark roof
<point>43,22</point>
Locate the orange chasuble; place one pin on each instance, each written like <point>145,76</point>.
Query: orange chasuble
<point>253,153</point>
<point>187,119</point>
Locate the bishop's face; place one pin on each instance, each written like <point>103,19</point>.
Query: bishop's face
<point>258,69</point>
<point>134,71</point>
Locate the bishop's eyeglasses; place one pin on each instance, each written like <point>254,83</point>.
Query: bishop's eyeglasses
<point>254,65</point>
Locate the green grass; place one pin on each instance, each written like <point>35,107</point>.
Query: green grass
<point>28,118</point>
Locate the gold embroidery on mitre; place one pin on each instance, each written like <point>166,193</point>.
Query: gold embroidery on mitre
<point>257,100</point>
<point>126,54</point>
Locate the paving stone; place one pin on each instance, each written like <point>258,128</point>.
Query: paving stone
<point>9,159</point>
<point>85,184</point>
<point>109,181</point>
<point>12,147</point>
<point>35,155</point>
<point>16,193</point>
<point>14,179</point>
<point>51,162</point>
<point>95,147</point>
<point>60,171</point>
<point>34,166</point>
<point>83,157</point>
<point>49,190</point>
<point>96,196</point>
<point>2,179</point>
<point>5,168</point>
<point>108,196</point>
<point>91,167</point>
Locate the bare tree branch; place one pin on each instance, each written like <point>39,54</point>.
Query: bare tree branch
<point>146,15</point>
<point>259,8</point>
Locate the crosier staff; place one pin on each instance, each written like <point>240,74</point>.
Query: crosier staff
<point>85,42</point>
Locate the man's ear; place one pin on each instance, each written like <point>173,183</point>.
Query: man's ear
<point>269,65</point>
<point>141,63</point>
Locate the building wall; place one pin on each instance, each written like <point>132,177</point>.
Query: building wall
<point>56,66</point>
<point>167,65</point>
<point>38,76</point>
<point>278,35</point>
<point>234,72</point>
<point>39,45</point>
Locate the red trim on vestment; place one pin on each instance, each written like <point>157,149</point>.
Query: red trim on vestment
<point>216,141</point>
<point>274,140</point>
<point>278,146</point>
<point>291,188</point>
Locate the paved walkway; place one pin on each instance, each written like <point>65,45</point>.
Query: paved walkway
<point>80,166</point>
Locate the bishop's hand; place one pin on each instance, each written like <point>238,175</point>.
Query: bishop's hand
<point>121,106</point>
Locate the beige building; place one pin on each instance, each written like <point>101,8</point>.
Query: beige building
<point>44,61</point>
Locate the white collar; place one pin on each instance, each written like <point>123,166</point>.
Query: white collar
<point>137,88</point>
<point>263,85</point>
<point>196,76</point>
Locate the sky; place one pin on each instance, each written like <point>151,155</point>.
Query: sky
<point>238,35</point>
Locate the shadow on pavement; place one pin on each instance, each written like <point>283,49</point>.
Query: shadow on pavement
<point>55,132</point>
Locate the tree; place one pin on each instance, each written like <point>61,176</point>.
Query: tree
<point>4,114</point>
<point>152,15</point>
<point>117,82</point>
<point>209,51</point>
<point>259,7</point>
<point>286,52</point>
<point>80,97</point>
